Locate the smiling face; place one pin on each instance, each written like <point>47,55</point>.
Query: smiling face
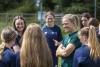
<point>50,19</point>
<point>83,34</point>
<point>84,21</point>
<point>83,38</point>
<point>68,25</point>
<point>19,24</point>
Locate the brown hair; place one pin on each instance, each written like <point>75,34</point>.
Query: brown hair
<point>35,51</point>
<point>19,17</point>
<point>94,22</point>
<point>50,13</point>
<point>8,34</point>
<point>87,15</point>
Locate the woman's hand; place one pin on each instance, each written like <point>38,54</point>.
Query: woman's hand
<point>56,42</point>
<point>60,50</point>
<point>16,48</point>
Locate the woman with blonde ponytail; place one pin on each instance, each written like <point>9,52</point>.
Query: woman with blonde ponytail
<point>88,55</point>
<point>70,42</point>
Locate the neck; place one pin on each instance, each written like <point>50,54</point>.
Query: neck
<point>85,43</point>
<point>50,24</point>
<point>8,45</point>
<point>20,33</point>
<point>72,31</point>
<point>89,45</point>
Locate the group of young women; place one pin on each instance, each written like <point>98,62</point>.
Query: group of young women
<point>33,46</point>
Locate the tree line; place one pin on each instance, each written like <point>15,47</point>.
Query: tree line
<point>58,6</point>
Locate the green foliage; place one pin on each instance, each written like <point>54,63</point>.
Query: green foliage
<point>48,4</point>
<point>75,8</point>
<point>59,6</point>
<point>98,9</point>
<point>27,6</point>
<point>2,24</point>
<point>57,9</point>
<point>66,3</point>
<point>7,5</point>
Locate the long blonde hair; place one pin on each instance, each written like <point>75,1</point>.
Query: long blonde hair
<point>35,51</point>
<point>93,42</point>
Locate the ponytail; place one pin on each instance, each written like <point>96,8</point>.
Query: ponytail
<point>94,44</point>
<point>1,50</point>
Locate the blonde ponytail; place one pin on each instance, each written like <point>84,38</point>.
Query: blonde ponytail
<point>94,44</point>
<point>1,50</point>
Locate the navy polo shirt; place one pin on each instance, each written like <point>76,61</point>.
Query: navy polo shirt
<point>52,33</point>
<point>82,58</point>
<point>8,58</point>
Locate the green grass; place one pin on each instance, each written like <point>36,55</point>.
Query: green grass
<point>2,25</point>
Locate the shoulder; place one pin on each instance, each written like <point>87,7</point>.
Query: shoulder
<point>79,51</point>
<point>8,51</point>
<point>83,51</point>
<point>75,40</point>
<point>57,27</point>
<point>8,54</point>
<point>75,35</point>
<point>44,26</point>
<point>81,55</point>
